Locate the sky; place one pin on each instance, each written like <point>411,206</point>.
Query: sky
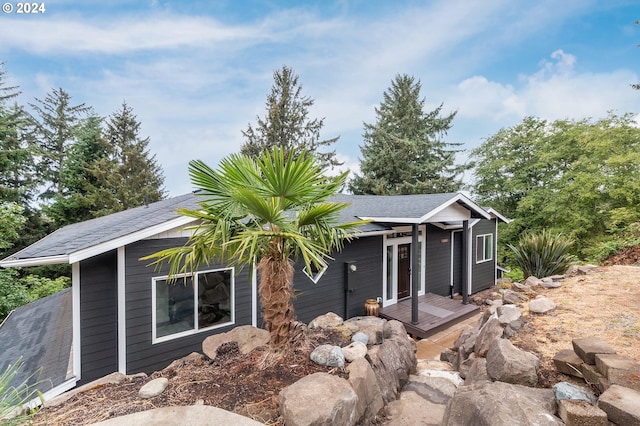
<point>197,73</point>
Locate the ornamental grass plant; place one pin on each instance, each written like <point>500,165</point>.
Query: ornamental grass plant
<point>542,254</point>
<point>15,397</point>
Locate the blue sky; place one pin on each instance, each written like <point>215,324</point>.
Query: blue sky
<point>197,73</point>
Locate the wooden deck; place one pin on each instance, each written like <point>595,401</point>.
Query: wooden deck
<point>435,313</point>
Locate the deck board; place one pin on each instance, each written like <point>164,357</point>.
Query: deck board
<point>435,313</point>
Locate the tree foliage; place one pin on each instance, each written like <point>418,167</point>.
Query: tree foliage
<point>271,210</point>
<point>403,152</point>
<point>580,178</point>
<point>287,123</point>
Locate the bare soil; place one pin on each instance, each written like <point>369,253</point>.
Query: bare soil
<point>604,304</point>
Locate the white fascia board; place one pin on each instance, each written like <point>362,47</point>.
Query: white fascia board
<point>35,261</point>
<point>446,227</point>
<point>128,239</point>
<point>495,213</point>
<point>473,222</point>
<point>460,197</point>
<point>404,220</point>
<point>52,393</point>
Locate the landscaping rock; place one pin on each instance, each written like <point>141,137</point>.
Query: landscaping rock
<point>501,404</point>
<point>438,390</point>
<point>621,405</point>
<point>477,372</point>
<point>567,362</point>
<point>318,399</point>
<point>489,333</point>
<point>523,288</point>
<point>153,388</point>
<point>327,320</point>
<point>592,376</point>
<point>247,337</point>
<point>508,313</point>
<point>581,413</point>
<point>360,337</point>
<point>369,325</point>
<point>541,305</point>
<point>513,298</point>
<point>581,270</point>
<point>328,355</point>
<point>550,283</point>
<point>363,381</point>
<point>412,409</point>
<point>354,351</point>
<point>587,348</point>
<point>432,365</point>
<point>193,358</point>
<point>565,390</point>
<point>532,281</point>
<point>450,356</point>
<point>452,376</point>
<point>619,370</point>
<point>513,327</point>
<point>507,363</point>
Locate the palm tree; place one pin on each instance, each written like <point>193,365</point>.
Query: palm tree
<point>272,210</point>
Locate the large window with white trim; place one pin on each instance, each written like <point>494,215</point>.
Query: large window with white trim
<point>192,303</point>
<point>484,248</point>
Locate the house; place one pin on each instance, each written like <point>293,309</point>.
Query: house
<point>125,317</point>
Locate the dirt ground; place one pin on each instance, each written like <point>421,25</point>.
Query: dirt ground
<point>605,304</point>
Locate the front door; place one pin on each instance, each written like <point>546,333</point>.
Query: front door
<point>404,271</point>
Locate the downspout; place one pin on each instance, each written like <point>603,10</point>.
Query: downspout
<point>415,278</point>
<point>465,264</point>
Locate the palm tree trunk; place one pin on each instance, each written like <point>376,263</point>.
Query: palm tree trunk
<point>276,298</point>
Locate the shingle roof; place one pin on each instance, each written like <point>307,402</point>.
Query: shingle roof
<point>40,332</point>
<point>84,235</point>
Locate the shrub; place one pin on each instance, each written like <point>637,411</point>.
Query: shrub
<point>14,397</point>
<point>542,254</point>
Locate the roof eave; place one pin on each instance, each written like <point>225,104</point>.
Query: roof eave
<point>34,261</point>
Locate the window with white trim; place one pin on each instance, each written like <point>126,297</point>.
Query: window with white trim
<point>192,303</point>
<point>316,273</point>
<point>484,248</point>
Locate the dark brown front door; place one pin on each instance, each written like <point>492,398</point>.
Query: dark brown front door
<point>404,270</point>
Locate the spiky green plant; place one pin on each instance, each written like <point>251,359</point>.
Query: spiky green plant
<point>542,254</point>
<point>14,397</point>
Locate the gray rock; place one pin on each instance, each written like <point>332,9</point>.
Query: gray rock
<point>507,363</point>
<point>354,351</point>
<point>581,270</point>
<point>318,399</point>
<point>525,288</point>
<point>565,390</point>
<point>450,356</point>
<point>432,364</point>
<point>532,281</point>
<point>587,348</point>
<point>360,337</point>
<point>541,305</point>
<point>550,284</point>
<point>328,355</point>
<point>327,320</point>
<point>508,313</point>
<point>513,327</point>
<point>592,375</point>
<point>621,405</point>
<point>619,370</point>
<point>412,409</point>
<point>513,298</point>
<point>153,388</point>
<point>438,390</point>
<point>363,381</point>
<point>369,325</point>
<point>501,404</point>
<point>247,337</point>
<point>581,413</point>
<point>567,362</point>
<point>477,372</point>
<point>489,333</point>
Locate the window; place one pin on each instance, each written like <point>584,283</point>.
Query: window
<point>316,273</point>
<point>484,248</point>
<point>192,303</point>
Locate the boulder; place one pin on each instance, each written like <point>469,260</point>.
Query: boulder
<point>524,288</point>
<point>327,320</point>
<point>369,325</point>
<point>432,365</point>
<point>501,404</point>
<point>247,337</point>
<point>360,337</point>
<point>354,351</point>
<point>477,372</point>
<point>532,281</point>
<point>513,298</point>
<point>567,362</point>
<point>550,283</point>
<point>513,327</point>
<point>438,390</point>
<point>450,356</point>
<point>508,314</point>
<point>621,405</point>
<point>328,355</point>
<point>619,370</point>
<point>489,333</point>
<point>153,388</point>
<point>587,348</point>
<point>412,409</point>
<point>581,270</point>
<point>581,413</point>
<point>363,381</point>
<point>452,376</point>
<point>566,390</point>
<point>194,358</point>
<point>541,305</point>
<point>592,376</point>
<point>318,399</point>
<point>507,363</point>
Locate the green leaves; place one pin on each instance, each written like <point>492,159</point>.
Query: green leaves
<point>542,254</point>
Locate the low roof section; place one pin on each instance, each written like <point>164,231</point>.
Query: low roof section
<point>82,240</point>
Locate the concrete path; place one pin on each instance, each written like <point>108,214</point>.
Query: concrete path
<point>431,347</point>
<point>194,415</point>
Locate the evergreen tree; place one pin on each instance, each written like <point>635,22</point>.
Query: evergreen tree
<point>53,132</point>
<point>132,174</point>
<point>287,124</point>
<point>403,152</point>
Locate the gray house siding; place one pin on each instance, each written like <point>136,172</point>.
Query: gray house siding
<point>329,293</point>
<point>438,266</point>
<point>98,316</point>
<point>142,354</point>
<point>483,273</point>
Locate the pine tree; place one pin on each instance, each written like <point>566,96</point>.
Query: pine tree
<point>53,132</point>
<point>287,123</point>
<point>403,152</point>
<point>136,178</point>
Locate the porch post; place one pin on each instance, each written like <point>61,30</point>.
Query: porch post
<point>465,264</point>
<point>415,274</point>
